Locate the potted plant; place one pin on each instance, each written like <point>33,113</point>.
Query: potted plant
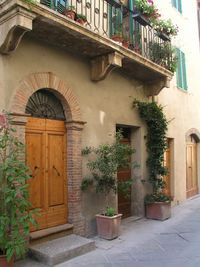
<point>81,19</point>
<point>103,166</point>
<point>165,29</point>
<point>157,204</point>
<point>15,213</point>
<point>70,12</point>
<point>145,12</point>
<point>163,54</point>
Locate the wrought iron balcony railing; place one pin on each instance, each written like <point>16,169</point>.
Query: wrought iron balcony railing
<point>118,22</point>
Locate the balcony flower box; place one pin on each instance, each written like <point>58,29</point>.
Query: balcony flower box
<point>140,18</point>
<point>164,36</point>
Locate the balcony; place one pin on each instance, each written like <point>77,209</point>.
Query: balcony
<point>110,36</point>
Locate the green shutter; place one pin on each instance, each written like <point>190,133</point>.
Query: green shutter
<point>179,6</point>
<point>178,71</point>
<point>181,75</point>
<point>173,3</point>
<point>184,74</point>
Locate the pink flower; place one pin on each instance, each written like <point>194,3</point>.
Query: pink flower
<point>3,121</point>
<point>150,2</point>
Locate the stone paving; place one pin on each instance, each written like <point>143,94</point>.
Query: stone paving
<point>148,243</point>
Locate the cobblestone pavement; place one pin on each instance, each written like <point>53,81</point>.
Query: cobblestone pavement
<point>148,243</point>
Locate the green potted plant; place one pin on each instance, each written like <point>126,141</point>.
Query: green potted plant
<point>145,11</point>
<point>70,12</point>
<point>165,29</point>
<point>163,54</point>
<point>15,213</point>
<point>103,166</point>
<point>157,204</point>
<point>81,19</point>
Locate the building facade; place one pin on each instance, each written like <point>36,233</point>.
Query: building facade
<point>70,86</point>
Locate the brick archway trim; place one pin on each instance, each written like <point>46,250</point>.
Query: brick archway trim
<point>33,82</point>
<point>193,132</point>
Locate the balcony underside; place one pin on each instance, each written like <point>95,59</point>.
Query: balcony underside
<point>56,29</point>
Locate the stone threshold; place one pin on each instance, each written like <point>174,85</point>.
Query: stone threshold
<point>50,233</point>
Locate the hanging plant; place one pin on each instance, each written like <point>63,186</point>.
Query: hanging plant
<point>156,143</point>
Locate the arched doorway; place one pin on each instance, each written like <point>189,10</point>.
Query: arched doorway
<point>191,166</point>
<point>74,125</point>
<point>45,136</point>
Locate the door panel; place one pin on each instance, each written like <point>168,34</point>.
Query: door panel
<point>56,165</point>
<point>124,203</point>
<point>34,144</point>
<point>191,170</point>
<point>167,161</point>
<point>46,157</point>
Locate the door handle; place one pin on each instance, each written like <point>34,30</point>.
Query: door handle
<point>56,170</point>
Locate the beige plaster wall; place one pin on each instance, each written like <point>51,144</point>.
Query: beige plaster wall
<point>182,108</point>
<point>103,105</point>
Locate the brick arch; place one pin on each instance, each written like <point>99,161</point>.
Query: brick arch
<point>195,133</point>
<point>36,81</point>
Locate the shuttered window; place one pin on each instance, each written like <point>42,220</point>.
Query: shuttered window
<point>181,75</point>
<point>177,4</point>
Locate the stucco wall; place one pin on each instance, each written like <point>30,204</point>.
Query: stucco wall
<point>103,105</point>
<point>182,107</point>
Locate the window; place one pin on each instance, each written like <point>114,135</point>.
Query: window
<point>177,4</point>
<point>181,70</point>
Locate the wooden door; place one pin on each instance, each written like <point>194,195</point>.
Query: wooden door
<point>46,157</point>
<point>167,164</point>
<point>124,203</point>
<point>191,169</point>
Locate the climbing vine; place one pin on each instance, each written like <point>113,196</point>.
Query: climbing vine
<point>156,143</point>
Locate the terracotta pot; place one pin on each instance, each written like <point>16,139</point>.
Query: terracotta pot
<point>4,263</point>
<point>158,210</point>
<point>81,21</point>
<point>70,14</point>
<point>125,43</point>
<point>108,227</point>
<point>117,38</point>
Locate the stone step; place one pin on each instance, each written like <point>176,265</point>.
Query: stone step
<point>61,249</point>
<point>51,233</point>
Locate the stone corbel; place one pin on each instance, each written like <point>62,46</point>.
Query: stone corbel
<point>13,25</point>
<point>153,88</point>
<point>101,66</point>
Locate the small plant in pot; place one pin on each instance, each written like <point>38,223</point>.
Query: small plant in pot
<point>15,213</point>
<point>103,165</point>
<point>158,204</point>
<point>81,19</point>
<point>70,12</point>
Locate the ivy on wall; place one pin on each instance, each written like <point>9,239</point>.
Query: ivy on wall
<point>156,142</point>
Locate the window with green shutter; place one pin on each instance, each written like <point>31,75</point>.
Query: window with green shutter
<point>181,76</point>
<point>177,4</point>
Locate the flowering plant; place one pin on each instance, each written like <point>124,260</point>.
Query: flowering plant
<point>15,216</point>
<point>166,26</point>
<point>147,8</point>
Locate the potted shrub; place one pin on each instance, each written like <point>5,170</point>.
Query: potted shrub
<point>163,54</point>
<point>103,166</point>
<point>81,19</point>
<point>157,204</point>
<point>145,12</point>
<point>70,12</point>
<point>15,213</point>
<point>165,29</point>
